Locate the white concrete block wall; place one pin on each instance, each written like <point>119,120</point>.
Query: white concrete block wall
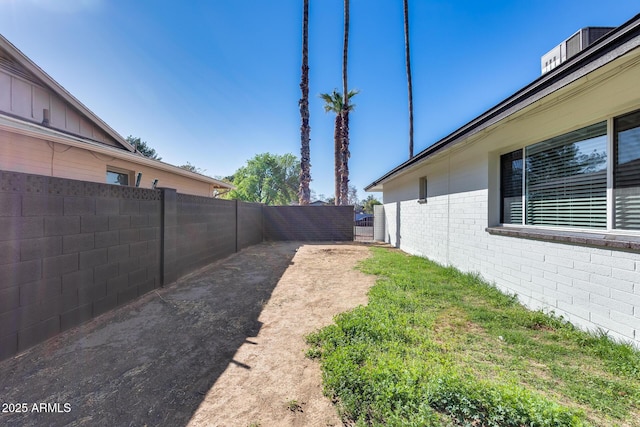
<point>390,215</point>
<point>430,239</point>
<point>591,287</point>
<point>378,223</point>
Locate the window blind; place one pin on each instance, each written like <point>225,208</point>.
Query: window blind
<point>511,187</point>
<point>627,171</point>
<point>566,179</point>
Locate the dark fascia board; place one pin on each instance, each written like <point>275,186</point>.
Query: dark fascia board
<point>614,44</point>
<point>33,68</point>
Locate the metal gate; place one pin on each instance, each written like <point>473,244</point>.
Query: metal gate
<point>363,228</point>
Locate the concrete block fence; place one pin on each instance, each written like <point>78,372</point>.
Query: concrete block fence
<point>72,250</point>
<point>308,223</point>
<point>69,251</point>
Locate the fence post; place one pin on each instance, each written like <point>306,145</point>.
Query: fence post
<point>237,225</point>
<point>378,223</point>
<point>168,251</point>
<point>262,220</point>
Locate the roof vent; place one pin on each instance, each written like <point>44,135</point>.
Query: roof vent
<point>572,46</point>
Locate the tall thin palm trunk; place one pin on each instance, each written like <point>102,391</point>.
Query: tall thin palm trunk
<point>333,103</point>
<point>344,151</point>
<point>337,156</point>
<point>304,193</point>
<point>410,87</point>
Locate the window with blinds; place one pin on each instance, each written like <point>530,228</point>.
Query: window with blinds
<point>564,179</point>
<point>626,171</point>
<point>511,187</point>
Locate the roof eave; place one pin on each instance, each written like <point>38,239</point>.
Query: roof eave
<point>62,92</point>
<point>22,127</point>
<point>575,68</point>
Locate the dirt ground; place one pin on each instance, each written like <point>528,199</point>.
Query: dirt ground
<point>222,347</point>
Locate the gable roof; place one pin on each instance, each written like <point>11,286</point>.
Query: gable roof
<point>618,42</point>
<point>18,64</point>
<point>21,65</point>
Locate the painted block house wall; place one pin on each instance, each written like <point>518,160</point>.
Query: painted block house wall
<point>593,287</point>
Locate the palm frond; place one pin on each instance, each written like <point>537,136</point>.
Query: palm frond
<point>334,100</point>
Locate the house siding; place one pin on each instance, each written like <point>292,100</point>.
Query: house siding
<point>592,287</point>
<point>20,153</point>
<point>27,100</point>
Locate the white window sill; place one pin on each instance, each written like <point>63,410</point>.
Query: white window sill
<point>611,241</point>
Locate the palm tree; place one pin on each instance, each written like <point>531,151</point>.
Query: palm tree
<point>333,102</point>
<point>410,87</point>
<point>304,193</point>
<point>344,149</point>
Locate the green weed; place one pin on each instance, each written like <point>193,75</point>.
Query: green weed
<point>294,406</point>
<point>437,347</point>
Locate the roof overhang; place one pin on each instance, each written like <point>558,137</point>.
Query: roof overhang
<point>22,127</point>
<point>615,44</point>
<point>31,66</point>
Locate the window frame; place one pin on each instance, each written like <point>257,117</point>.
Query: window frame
<point>120,171</point>
<point>422,190</point>
<point>512,156</point>
<point>611,143</point>
<point>565,179</point>
<point>615,167</point>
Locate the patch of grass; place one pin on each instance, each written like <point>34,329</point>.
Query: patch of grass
<point>294,406</point>
<point>436,347</point>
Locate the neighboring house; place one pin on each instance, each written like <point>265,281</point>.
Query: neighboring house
<point>44,130</point>
<point>540,194</point>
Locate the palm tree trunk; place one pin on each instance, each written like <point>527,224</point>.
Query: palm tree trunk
<point>410,87</point>
<point>337,153</point>
<point>344,152</point>
<point>304,193</point>
<point>344,155</point>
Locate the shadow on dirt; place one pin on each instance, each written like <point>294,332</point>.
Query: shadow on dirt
<point>150,362</point>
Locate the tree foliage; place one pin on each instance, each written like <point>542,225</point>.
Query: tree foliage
<point>267,178</point>
<point>369,203</point>
<point>192,168</point>
<point>334,102</point>
<point>143,147</point>
<point>352,198</point>
<point>564,161</point>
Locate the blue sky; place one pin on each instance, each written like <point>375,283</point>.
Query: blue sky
<point>215,82</point>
